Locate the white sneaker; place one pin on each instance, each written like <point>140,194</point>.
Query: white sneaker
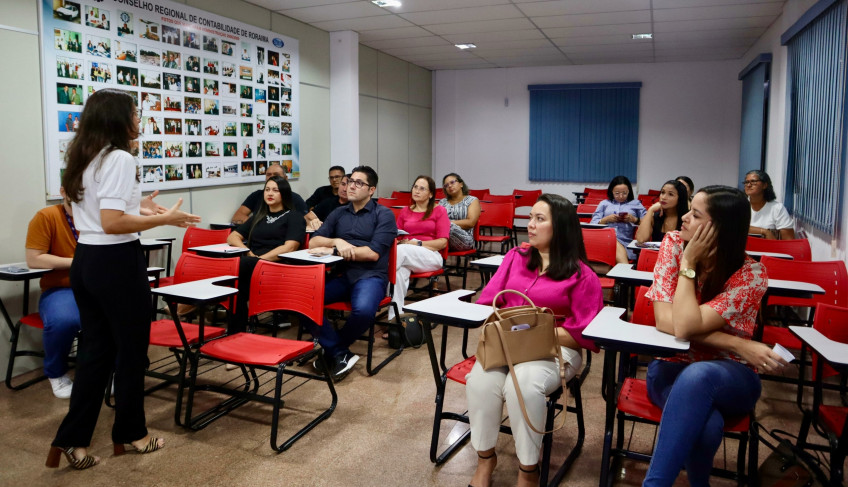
<point>62,386</point>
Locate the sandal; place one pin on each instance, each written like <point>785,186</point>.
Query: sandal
<point>151,446</point>
<point>76,463</point>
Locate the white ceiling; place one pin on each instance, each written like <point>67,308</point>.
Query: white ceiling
<point>511,33</point>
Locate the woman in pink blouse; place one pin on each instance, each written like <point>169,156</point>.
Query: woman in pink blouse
<point>553,273</point>
<point>428,229</point>
<point>713,303</point>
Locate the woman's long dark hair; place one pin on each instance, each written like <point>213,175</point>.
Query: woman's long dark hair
<point>458,180</point>
<point>682,206</point>
<point>768,193</point>
<point>690,185</point>
<point>567,249</point>
<point>263,210</point>
<point>615,182</point>
<point>106,122</point>
<point>431,184</point>
<point>731,216</point>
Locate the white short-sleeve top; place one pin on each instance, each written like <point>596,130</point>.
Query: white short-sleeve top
<point>110,182</point>
<point>772,216</point>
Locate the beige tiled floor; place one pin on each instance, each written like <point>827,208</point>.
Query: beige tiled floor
<point>378,436</point>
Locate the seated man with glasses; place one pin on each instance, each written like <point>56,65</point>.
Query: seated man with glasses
<point>254,199</point>
<point>362,232</point>
<point>327,192</point>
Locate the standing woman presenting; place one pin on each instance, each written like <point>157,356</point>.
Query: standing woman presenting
<point>109,277</point>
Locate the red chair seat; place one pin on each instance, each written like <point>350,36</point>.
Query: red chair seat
<point>493,238</point>
<point>776,334</point>
<point>458,372</point>
<point>634,400</point>
<point>833,417</point>
<point>461,253</point>
<point>607,283</point>
<point>247,348</point>
<point>163,333</point>
<point>345,305</point>
<point>427,275</point>
<point>33,320</point>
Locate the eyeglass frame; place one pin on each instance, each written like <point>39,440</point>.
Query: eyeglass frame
<point>358,184</point>
<point>751,182</point>
<point>451,183</point>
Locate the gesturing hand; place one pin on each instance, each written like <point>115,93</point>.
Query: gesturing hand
<point>174,216</point>
<point>701,245</point>
<point>148,207</point>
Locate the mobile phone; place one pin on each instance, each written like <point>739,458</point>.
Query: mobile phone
<point>622,215</point>
<point>523,326</point>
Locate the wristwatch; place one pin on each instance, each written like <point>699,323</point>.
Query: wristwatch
<point>690,273</point>
<point>335,251</point>
<point>420,243</point>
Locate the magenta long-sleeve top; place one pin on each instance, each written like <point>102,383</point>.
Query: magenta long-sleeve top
<point>574,301</point>
<point>437,225</point>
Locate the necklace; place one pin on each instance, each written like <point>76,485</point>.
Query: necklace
<point>271,219</point>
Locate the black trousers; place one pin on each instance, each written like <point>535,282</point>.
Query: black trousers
<point>111,289</point>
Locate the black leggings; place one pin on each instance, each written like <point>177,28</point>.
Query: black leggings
<point>113,294</point>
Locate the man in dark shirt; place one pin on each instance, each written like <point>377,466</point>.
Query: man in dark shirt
<point>327,192</point>
<point>255,198</point>
<point>322,210</point>
<point>362,232</point>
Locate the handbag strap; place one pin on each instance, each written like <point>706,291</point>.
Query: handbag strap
<point>527,299</point>
<point>518,389</point>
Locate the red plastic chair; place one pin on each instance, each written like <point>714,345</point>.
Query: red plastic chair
<point>388,202</point>
<point>273,287</point>
<point>495,216</point>
<point>595,192</point>
<point>654,192</point>
<point>799,249</point>
<point>432,276</point>
<point>480,194</point>
<point>829,421</point>
<point>634,405</point>
<point>586,208</point>
<point>498,198</point>
<point>600,251</point>
<point>463,257</point>
<point>647,260</point>
<point>647,200</point>
<point>403,198</point>
<point>345,306</point>
<point>197,237</point>
<point>440,194</point>
<point>32,320</point>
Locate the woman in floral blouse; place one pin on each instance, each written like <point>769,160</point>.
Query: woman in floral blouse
<point>713,303</point>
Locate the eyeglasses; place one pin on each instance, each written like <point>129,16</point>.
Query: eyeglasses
<point>358,184</point>
<point>333,178</point>
<point>750,182</point>
<point>421,188</point>
<point>620,193</point>
<point>451,183</point>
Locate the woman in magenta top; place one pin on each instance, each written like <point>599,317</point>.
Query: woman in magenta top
<point>553,273</point>
<point>428,229</point>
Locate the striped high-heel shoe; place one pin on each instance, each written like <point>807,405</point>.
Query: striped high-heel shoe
<point>76,463</point>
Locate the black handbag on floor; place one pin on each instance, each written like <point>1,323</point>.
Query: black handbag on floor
<point>787,465</point>
<point>411,335</point>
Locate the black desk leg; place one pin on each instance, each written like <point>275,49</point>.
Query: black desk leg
<point>608,386</point>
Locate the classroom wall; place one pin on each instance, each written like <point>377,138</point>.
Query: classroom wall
<point>689,122</point>
<point>394,119</point>
<point>825,247</point>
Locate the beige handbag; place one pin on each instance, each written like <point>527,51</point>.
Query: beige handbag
<point>500,346</point>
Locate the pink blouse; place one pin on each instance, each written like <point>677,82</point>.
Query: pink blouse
<point>436,226</point>
<point>574,301</point>
<point>738,302</point>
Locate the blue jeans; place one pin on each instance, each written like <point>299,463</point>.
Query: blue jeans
<point>61,318</point>
<point>364,296</point>
<point>694,399</point>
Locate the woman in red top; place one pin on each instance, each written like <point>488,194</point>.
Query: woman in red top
<point>713,303</point>
<point>428,229</point>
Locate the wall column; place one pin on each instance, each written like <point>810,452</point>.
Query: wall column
<point>344,99</point>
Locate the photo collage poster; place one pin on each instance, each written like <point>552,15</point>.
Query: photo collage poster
<point>219,99</point>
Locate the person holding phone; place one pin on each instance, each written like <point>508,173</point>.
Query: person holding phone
<point>622,212</point>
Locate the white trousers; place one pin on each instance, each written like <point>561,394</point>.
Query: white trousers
<point>487,390</point>
<point>412,258</point>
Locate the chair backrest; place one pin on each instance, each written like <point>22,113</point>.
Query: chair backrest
<point>647,260</point>
<point>497,198</point>
<point>832,322</point>
<point>404,198</point>
<point>647,200</point>
<point>282,287</point>
<point>654,192</point>
<point>799,249</point>
<point>591,200</point>
<point>440,194</point>
<point>595,192</point>
<point>498,215</point>
<point>479,193</point>
<point>388,202</point>
<point>193,267</point>
<point>643,310</point>
<point>830,275</point>
<point>600,245</point>
<point>197,237</point>
<point>586,208</point>
<point>528,197</point>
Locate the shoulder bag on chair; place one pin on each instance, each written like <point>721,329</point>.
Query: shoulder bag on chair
<point>501,345</point>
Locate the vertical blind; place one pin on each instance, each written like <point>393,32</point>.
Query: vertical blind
<point>755,102</point>
<point>584,132</point>
<point>817,116</point>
